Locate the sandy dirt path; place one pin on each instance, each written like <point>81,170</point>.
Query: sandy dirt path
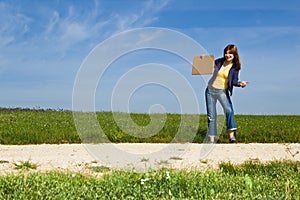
<point>81,157</point>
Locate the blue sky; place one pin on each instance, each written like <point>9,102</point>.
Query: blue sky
<point>44,43</point>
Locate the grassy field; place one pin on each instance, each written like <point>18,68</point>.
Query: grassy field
<point>274,180</point>
<point>251,180</point>
<point>28,126</point>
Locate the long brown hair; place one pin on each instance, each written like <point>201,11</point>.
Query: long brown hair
<point>236,60</point>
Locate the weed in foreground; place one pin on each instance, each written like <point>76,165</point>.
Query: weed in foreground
<point>25,165</point>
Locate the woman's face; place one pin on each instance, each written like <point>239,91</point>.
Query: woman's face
<point>229,56</point>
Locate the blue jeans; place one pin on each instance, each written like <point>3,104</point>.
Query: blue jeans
<point>212,96</point>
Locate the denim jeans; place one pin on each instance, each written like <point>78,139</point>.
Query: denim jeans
<point>212,96</point>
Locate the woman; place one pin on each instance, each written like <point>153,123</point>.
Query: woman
<point>220,88</point>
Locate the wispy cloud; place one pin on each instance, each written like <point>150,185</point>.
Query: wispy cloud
<point>42,35</point>
<point>142,15</point>
<point>14,24</point>
<point>94,25</point>
<point>52,23</point>
<point>63,27</point>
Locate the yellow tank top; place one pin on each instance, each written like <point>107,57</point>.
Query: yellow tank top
<point>221,81</point>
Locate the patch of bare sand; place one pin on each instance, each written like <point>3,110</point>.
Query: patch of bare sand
<point>140,156</point>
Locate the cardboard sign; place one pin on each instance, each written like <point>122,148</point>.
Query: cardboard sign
<point>203,64</point>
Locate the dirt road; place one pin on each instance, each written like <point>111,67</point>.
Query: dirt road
<point>141,156</point>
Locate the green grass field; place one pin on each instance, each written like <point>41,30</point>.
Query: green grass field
<point>27,126</point>
<point>274,180</point>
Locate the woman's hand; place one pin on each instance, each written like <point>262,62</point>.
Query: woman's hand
<point>243,83</point>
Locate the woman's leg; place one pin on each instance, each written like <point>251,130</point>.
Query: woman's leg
<point>211,113</point>
<point>226,103</point>
<point>231,133</point>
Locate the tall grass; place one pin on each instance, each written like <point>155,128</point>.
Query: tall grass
<point>27,126</point>
<point>275,180</point>
<point>268,128</point>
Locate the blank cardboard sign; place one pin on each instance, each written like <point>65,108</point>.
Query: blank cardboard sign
<point>203,64</point>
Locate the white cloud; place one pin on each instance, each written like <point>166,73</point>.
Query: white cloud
<point>52,23</point>
<point>5,40</point>
<point>14,25</point>
<point>73,33</point>
<point>70,24</point>
<point>94,26</point>
<point>141,16</point>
